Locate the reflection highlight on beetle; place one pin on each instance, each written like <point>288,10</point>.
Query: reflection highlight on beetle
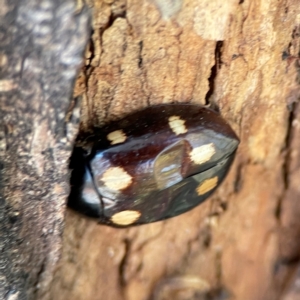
<point>152,165</point>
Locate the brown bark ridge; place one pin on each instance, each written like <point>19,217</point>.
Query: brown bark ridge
<point>242,58</point>
<point>41,49</point>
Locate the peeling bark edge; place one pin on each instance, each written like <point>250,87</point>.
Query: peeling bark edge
<point>41,49</point>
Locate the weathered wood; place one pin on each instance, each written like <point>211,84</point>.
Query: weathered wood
<point>41,48</point>
<point>241,57</point>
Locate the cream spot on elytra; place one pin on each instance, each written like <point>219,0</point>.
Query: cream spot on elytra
<point>116,178</point>
<point>207,185</point>
<point>177,125</point>
<point>117,137</point>
<point>202,154</point>
<point>125,217</point>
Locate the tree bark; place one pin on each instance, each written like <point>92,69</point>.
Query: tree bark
<point>239,57</point>
<point>41,49</point>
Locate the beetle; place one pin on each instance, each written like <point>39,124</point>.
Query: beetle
<point>152,165</point>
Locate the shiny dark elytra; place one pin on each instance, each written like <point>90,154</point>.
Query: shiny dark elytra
<point>152,165</point>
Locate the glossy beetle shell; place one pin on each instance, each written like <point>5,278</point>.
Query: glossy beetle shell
<point>154,164</point>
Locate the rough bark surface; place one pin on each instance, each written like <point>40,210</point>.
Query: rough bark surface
<point>242,58</point>
<point>41,49</point>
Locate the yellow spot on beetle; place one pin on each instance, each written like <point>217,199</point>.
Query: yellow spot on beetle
<point>202,154</point>
<point>125,217</point>
<point>177,125</point>
<point>116,178</point>
<point>116,137</point>
<point>207,185</point>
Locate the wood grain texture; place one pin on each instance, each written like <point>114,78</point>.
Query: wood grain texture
<point>240,57</point>
<point>41,48</point>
